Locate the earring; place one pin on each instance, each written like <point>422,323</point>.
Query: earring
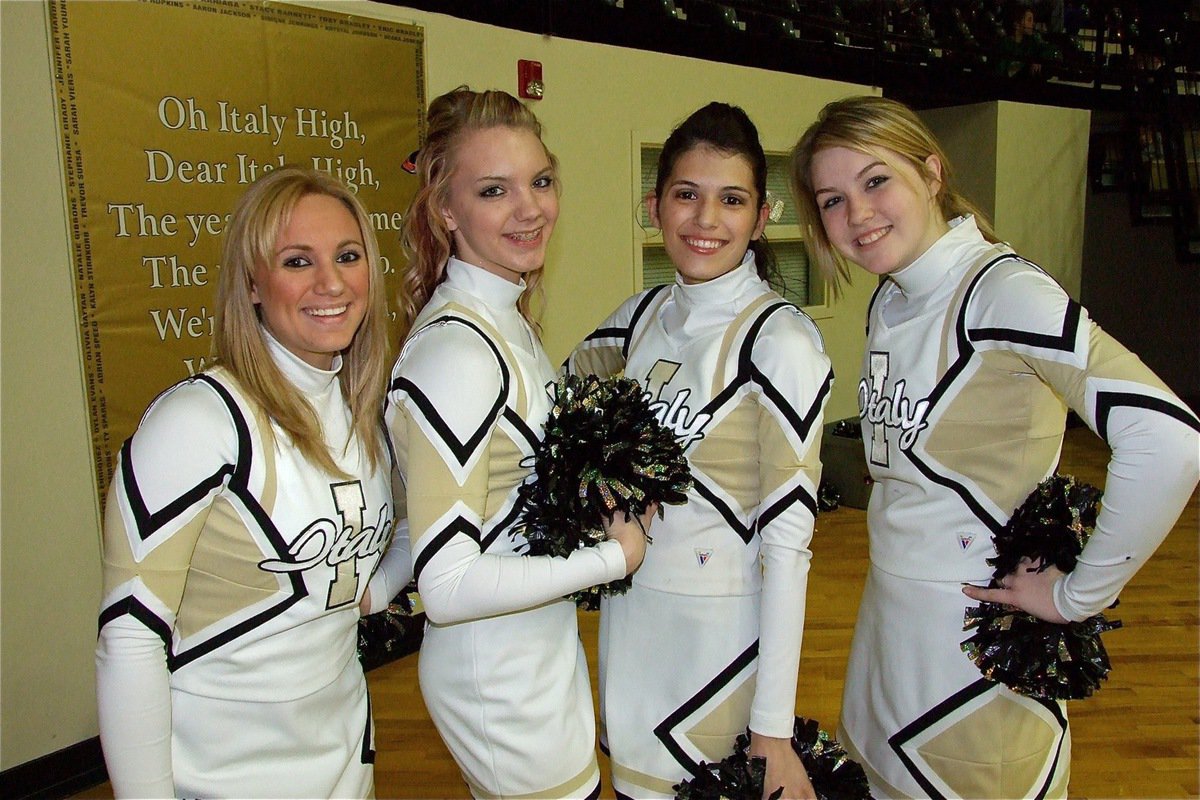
<point>774,206</point>
<point>641,215</point>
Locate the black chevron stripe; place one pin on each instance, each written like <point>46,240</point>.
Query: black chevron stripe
<point>745,532</point>
<point>957,700</point>
<point>522,427</point>
<point>455,526</point>
<point>801,424</point>
<point>1064,341</point>
<point>637,316</point>
<point>797,495</point>
<point>148,523</point>
<point>462,450</point>
<point>1107,401</point>
<point>664,730</point>
<point>138,610</point>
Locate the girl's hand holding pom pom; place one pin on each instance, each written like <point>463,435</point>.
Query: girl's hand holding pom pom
<point>785,770</point>
<point>604,467</point>
<point>631,533</point>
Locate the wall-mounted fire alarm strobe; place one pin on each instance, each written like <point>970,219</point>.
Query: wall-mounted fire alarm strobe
<point>529,80</point>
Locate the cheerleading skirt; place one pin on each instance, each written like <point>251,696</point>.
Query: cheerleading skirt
<point>320,745</point>
<point>921,719</point>
<point>677,677</point>
<point>511,698</point>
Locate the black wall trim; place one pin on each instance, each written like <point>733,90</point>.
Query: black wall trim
<point>56,775</point>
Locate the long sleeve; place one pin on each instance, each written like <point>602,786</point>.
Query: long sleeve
<point>133,696</point>
<point>461,449</point>
<point>393,573</point>
<point>156,506</point>
<point>794,379</point>
<point>1155,439</point>
<point>395,567</point>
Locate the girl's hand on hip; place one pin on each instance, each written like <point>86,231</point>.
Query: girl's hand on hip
<point>1025,588</point>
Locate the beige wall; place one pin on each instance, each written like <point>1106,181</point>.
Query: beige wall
<point>597,96</point>
<point>1041,187</point>
<point>968,135</point>
<point>1026,167</point>
<point>49,547</point>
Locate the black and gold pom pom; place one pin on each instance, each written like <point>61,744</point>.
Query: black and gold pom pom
<point>740,776</point>
<point>603,453</point>
<point>1029,655</point>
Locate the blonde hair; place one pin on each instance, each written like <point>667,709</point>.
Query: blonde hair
<point>427,242</point>
<point>239,345</point>
<point>869,124</point>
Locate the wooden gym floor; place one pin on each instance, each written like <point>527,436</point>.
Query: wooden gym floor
<point>1136,737</point>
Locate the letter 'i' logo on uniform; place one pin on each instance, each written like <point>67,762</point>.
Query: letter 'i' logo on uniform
<point>702,556</point>
<point>658,377</point>
<point>870,393</point>
<point>348,499</point>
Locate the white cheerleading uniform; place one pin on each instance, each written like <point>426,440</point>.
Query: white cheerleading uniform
<point>502,669</point>
<point>233,569</point>
<point>971,354</point>
<point>707,641</point>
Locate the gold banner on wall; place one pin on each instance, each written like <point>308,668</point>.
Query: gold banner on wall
<point>169,109</point>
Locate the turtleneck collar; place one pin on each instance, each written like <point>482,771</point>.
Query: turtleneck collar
<point>695,308</point>
<point>924,275</point>
<point>308,379</point>
<point>493,290</point>
<point>718,290</point>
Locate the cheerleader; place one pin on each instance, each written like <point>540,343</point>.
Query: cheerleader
<point>501,668</point>
<point>247,513</point>
<point>707,640</point>
<point>973,356</point>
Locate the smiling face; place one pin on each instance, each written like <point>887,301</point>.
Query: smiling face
<point>501,202</point>
<point>879,214</point>
<point>312,295</point>
<point>708,212</point>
